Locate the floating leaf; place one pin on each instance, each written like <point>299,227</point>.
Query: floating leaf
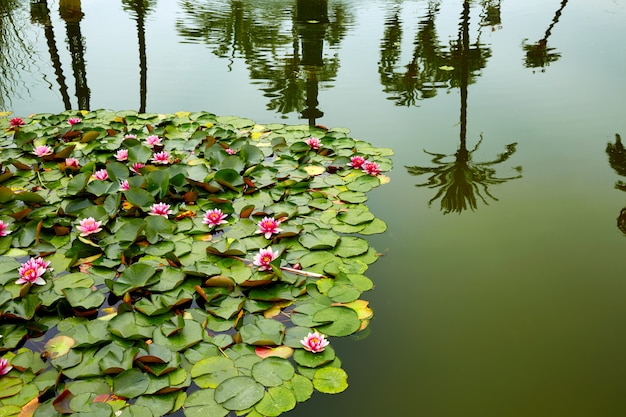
<point>330,380</point>
<point>239,393</point>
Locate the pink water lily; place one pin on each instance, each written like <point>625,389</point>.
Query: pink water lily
<point>315,342</point>
<point>121,155</point>
<point>74,120</point>
<point>231,151</point>
<point>160,209</point>
<point>71,162</point>
<point>356,162</point>
<point>314,143</point>
<point>371,168</point>
<point>264,258</point>
<point>162,158</point>
<point>89,226</point>
<point>4,229</point>
<point>130,136</point>
<point>214,217</point>
<point>268,226</point>
<point>153,140</point>
<point>4,366</point>
<point>136,167</point>
<point>42,150</point>
<point>101,175</point>
<point>124,185</point>
<point>32,271</point>
<point>16,122</point>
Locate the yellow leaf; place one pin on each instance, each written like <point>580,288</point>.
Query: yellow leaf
<point>314,170</point>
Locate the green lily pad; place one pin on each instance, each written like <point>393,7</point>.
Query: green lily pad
<point>239,393</point>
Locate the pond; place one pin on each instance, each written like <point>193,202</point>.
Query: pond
<point>501,292</point>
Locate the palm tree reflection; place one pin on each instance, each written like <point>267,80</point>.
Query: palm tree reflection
<point>40,13</point>
<point>71,12</point>
<point>539,55</point>
<point>288,65</point>
<point>139,9</point>
<point>462,182</point>
<point>617,160</point>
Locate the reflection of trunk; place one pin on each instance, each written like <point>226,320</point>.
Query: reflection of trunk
<point>312,19</point>
<point>555,20</point>
<point>143,65</point>
<point>70,11</point>
<point>464,72</point>
<point>41,13</point>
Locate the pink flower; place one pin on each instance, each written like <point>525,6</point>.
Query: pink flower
<point>153,140</point>
<point>136,167</point>
<point>74,120</point>
<point>130,136</point>
<point>124,185</point>
<point>231,151</point>
<point>314,342</point>
<point>4,229</point>
<point>161,158</point>
<point>121,155</point>
<point>214,217</point>
<point>101,175</point>
<point>88,226</point>
<point>356,162</point>
<point>268,226</point>
<point>160,209</point>
<point>32,270</point>
<point>16,122</point>
<point>71,162</point>
<point>314,143</point>
<point>264,258</point>
<point>371,168</point>
<point>4,366</point>
<point>42,150</point>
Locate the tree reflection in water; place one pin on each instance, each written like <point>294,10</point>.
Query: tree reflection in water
<point>16,51</point>
<point>617,160</point>
<point>289,65</point>
<point>539,55</point>
<point>462,182</point>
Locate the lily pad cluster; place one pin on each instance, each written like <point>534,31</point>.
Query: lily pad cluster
<point>143,307</point>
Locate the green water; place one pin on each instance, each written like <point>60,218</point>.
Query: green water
<point>514,308</point>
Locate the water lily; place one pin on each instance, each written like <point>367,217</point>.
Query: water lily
<point>161,158</point>
<point>214,217</point>
<point>160,209</point>
<point>71,162</point>
<point>268,226</point>
<point>124,185</point>
<point>153,140</point>
<point>136,167</point>
<point>356,162</point>
<point>130,136</point>
<point>231,151</point>
<point>121,155</point>
<point>74,120</point>
<point>88,226</point>
<point>16,122</point>
<point>315,342</point>
<point>264,258</point>
<point>4,229</point>
<point>314,143</point>
<point>101,175</point>
<point>371,168</point>
<point>42,150</point>
<point>32,271</point>
<point>4,366</point>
